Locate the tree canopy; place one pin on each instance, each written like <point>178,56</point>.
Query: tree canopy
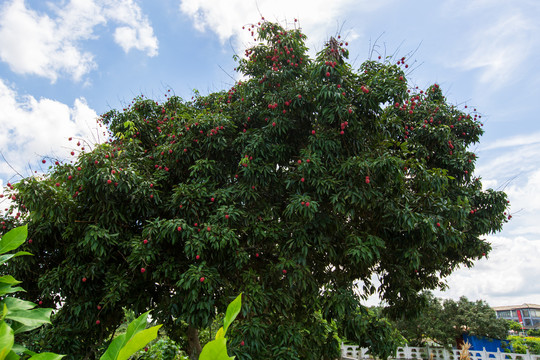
<point>444,321</point>
<point>295,187</point>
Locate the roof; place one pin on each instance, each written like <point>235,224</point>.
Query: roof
<point>515,307</point>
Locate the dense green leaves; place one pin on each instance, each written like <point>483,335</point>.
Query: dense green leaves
<point>444,321</point>
<point>294,187</point>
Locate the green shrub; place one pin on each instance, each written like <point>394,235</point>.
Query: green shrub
<point>520,344</point>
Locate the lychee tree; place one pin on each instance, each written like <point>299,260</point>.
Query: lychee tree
<point>297,187</point>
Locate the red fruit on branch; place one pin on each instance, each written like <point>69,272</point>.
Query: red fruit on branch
<point>143,270</point>
<point>83,279</point>
<point>98,322</point>
<point>202,279</point>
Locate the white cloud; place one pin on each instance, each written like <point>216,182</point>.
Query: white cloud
<point>519,140</point>
<point>504,164</point>
<point>37,44</point>
<point>497,47</point>
<point>34,129</point>
<point>510,274</point>
<point>512,166</point>
<point>317,17</point>
<point>137,32</point>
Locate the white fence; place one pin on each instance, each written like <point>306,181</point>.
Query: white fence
<point>353,352</point>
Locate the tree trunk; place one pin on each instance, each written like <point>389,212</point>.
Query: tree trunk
<point>194,345</point>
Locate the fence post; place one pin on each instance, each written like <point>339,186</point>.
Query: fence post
<point>446,354</point>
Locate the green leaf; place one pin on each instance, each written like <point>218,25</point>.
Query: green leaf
<point>47,356</point>
<point>232,311</point>
<point>134,339</point>
<point>14,304</point>
<point>215,350</point>
<point>19,349</point>
<point>6,257</point>
<point>13,239</point>
<point>31,318</point>
<point>7,339</point>
<point>8,289</point>
<point>12,355</point>
<point>135,326</point>
<point>8,279</point>
<point>114,348</point>
<point>220,334</point>
<point>137,342</point>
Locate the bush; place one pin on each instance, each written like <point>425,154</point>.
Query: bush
<point>520,344</point>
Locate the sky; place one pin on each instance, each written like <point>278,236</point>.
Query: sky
<point>62,63</point>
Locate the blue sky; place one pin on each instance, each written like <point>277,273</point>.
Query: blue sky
<point>64,62</point>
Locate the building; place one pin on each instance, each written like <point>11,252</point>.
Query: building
<point>527,315</point>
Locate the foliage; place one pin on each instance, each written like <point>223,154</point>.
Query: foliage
<point>520,344</point>
<point>162,349</point>
<point>533,332</point>
<point>293,187</point>
<point>444,321</point>
<point>217,348</point>
<point>134,339</point>
<point>18,315</point>
<point>514,325</point>
<point>21,316</point>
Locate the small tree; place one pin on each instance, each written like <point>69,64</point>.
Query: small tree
<point>445,321</point>
<point>514,325</point>
<point>293,187</point>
